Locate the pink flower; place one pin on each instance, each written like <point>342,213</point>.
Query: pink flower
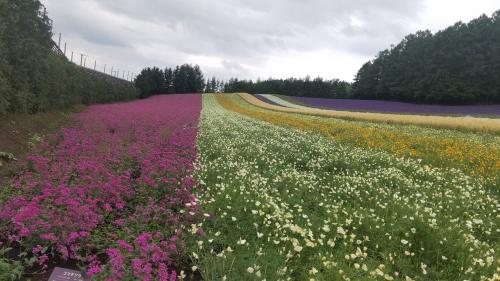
<point>42,259</point>
<point>73,236</point>
<point>37,249</point>
<point>143,240</point>
<point>117,260</point>
<point>173,276</point>
<point>93,270</point>
<point>95,265</point>
<point>91,174</point>
<point>123,244</point>
<point>84,234</point>
<point>108,207</point>
<point>162,272</point>
<point>137,266</point>
<point>24,232</point>
<point>49,236</point>
<point>63,250</point>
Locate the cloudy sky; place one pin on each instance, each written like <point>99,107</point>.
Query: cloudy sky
<point>249,38</point>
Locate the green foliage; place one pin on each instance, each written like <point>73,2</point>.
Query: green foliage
<point>214,86</point>
<point>292,87</point>
<point>169,80</point>
<point>32,77</point>
<point>183,79</point>
<point>9,270</point>
<point>458,65</point>
<point>188,79</point>
<point>150,82</point>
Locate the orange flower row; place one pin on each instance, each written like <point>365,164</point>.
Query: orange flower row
<point>483,160</point>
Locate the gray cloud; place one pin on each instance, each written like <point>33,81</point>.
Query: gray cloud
<point>236,37</point>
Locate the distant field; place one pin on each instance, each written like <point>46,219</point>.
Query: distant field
<point>465,123</point>
<point>397,107</point>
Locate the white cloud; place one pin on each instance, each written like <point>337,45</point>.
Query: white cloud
<point>249,38</point>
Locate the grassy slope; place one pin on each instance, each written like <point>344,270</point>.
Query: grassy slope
<point>21,131</point>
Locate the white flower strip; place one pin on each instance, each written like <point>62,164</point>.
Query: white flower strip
<point>286,205</point>
<point>283,102</point>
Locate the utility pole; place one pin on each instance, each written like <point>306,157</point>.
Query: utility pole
<point>111,70</point>
<point>64,48</point>
<point>104,68</point>
<point>59,44</point>
<point>85,62</point>
<point>95,64</point>
<point>71,56</point>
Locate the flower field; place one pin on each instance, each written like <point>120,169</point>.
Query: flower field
<point>234,187</point>
<point>283,204</point>
<point>399,107</point>
<point>478,154</point>
<point>110,192</point>
<point>381,106</point>
<point>491,125</point>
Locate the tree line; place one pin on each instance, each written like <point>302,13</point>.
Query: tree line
<point>184,78</point>
<point>33,78</point>
<point>189,79</point>
<point>306,87</point>
<point>458,65</point>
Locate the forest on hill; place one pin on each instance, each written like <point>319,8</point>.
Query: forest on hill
<point>458,65</point>
<point>33,78</point>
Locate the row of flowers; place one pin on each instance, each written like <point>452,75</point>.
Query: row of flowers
<point>477,154</point>
<point>465,123</point>
<point>282,204</point>
<point>112,192</point>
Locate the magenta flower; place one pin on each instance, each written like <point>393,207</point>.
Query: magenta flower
<point>123,244</point>
<point>119,169</point>
<point>43,259</point>
<point>93,270</point>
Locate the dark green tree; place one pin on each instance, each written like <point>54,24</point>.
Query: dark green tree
<point>458,65</point>
<point>306,87</point>
<point>151,81</point>
<point>33,78</point>
<point>169,80</point>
